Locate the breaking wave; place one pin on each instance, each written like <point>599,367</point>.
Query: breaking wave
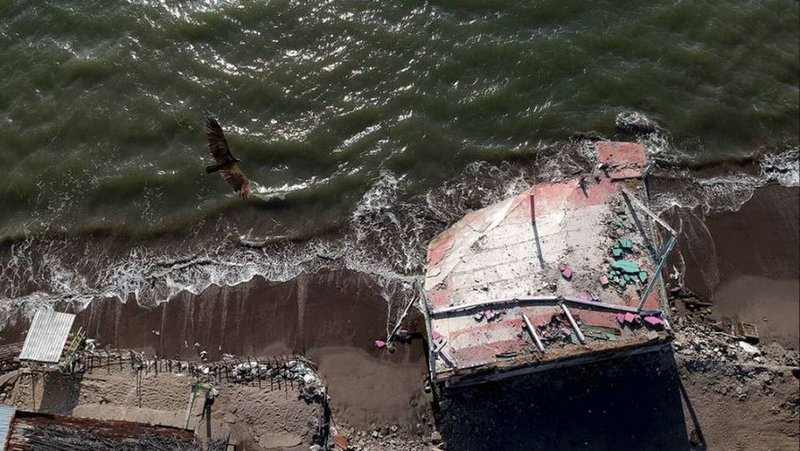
<point>714,194</point>
<point>782,167</point>
<point>386,237</point>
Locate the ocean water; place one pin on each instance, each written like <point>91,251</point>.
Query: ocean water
<point>101,107</point>
<point>365,127</point>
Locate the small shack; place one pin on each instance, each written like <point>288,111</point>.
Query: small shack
<point>46,337</point>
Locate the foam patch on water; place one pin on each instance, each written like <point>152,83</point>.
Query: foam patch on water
<point>729,192</point>
<point>387,238</point>
<point>23,306</point>
<point>716,194</point>
<point>782,167</point>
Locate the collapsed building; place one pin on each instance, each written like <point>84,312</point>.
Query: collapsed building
<point>563,273</point>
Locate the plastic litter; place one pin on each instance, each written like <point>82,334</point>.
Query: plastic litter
<point>625,266</point>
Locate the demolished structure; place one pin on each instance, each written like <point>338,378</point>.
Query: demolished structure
<point>563,273</point>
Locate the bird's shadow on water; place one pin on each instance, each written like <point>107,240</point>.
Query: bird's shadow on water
<point>633,403</point>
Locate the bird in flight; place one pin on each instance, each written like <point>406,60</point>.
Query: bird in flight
<point>226,163</point>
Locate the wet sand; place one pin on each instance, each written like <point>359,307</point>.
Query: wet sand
<point>331,316</point>
<point>747,262</point>
<point>369,392</point>
<point>767,303</point>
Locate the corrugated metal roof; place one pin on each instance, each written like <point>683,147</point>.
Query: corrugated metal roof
<point>6,415</point>
<point>36,430</point>
<point>46,337</point>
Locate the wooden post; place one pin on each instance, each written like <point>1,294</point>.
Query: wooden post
<point>533,208</point>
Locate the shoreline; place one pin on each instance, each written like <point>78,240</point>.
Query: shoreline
<point>736,260</point>
<point>332,311</point>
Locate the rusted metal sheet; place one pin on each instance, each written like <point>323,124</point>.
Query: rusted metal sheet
<point>505,265</point>
<point>33,430</point>
<point>6,416</point>
<point>47,336</point>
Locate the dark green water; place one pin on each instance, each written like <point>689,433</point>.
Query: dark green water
<point>101,107</point>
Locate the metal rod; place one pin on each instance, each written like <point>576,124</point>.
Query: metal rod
<point>649,212</point>
<point>577,329</point>
<point>439,349</point>
<point>533,333</point>
<point>657,272</point>
<point>446,357</point>
<point>535,299</point>
<point>390,338</point>
<point>648,241</point>
<point>475,305</point>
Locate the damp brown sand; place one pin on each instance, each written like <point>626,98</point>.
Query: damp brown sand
<point>370,392</point>
<point>747,262</point>
<point>333,317</point>
<point>773,305</point>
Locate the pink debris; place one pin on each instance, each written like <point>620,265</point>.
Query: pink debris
<point>584,296</point>
<point>566,271</point>
<point>653,321</point>
<point>562,267</point>
<point>621,318</point>
<point>604,281</point>
<point>436,335</point>
<point>566,331</point>
<point>380,344</point>
<point>630,317</point>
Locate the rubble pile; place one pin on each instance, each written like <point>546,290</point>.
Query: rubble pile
<point>701,346</point>
<point>385,437</point>
<point>622,270</point>
<point>558,331</point>
<point>294,370</point>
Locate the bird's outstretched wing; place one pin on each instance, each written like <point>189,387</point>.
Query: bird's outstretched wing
<point>217,143</point>
<point>226,163</point>
<point>233,176</point>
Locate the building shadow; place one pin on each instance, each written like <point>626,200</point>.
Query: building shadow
<point>630,403</point>
<point>696,438</point>
<point>56,393</point>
